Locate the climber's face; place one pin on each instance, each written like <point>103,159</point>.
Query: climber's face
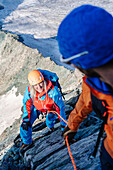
<point>39,87</point>
<point>104,73</point>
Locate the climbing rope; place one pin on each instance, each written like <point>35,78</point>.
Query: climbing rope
<point>58,115</point>
<point>69,150</point>
<point>67,143</point>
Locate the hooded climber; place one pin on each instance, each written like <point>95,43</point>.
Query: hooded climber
<point>40,96</point>
<point>85,39</point>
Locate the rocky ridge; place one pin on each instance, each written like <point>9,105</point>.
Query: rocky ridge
<point>17,60</point>
<point>48,150</point>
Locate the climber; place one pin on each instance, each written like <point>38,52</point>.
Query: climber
<point>40,96</point>
<point>85,39</point>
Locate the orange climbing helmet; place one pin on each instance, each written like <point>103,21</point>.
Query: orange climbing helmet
<point>35,77</point>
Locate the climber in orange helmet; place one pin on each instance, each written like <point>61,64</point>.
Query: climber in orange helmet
<point>40,96</point>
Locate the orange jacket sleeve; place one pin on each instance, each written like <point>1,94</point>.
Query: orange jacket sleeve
<point>81,110</point>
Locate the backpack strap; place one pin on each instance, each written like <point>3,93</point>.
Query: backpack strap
<point>100,108</point>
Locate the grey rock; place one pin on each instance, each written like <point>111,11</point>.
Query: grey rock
<point>11,160</point>
<point>72,101</point>
<point>49,152</point>
<point>4,166</point>
<point>68,109</point>
<point>16,157</point>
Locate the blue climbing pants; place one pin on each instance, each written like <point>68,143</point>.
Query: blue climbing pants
<point>50,120</point>
<point>26,136</point>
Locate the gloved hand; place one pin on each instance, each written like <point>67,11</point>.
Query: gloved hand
<point>68,132</point>
<point>25,125</point>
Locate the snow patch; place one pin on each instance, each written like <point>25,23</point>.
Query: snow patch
<point>10,105</point>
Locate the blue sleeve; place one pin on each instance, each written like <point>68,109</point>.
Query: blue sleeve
<point>27,105</point>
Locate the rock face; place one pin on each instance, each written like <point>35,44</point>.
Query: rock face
<point>48,151</point>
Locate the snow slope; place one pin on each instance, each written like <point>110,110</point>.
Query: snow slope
<point>40,18</point>
<point>9,109</point>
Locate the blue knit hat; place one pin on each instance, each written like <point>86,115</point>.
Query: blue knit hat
<point>87,28</point>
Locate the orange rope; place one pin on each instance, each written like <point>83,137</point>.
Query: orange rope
<point>69,150</point>
<point>58,115</point>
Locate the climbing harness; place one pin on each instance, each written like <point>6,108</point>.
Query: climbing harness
<point>67,143</point>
